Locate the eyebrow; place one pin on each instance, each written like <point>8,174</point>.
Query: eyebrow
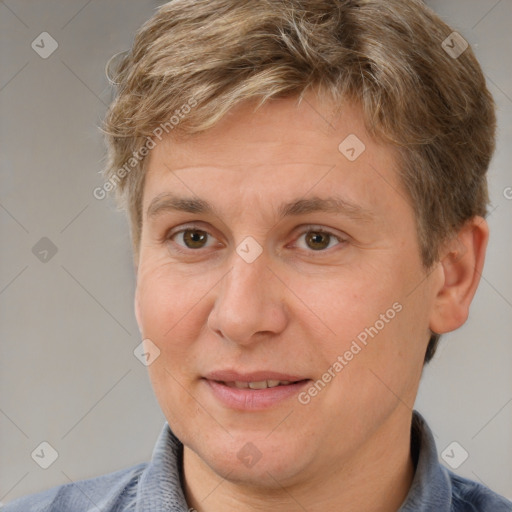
<point>168,202</point>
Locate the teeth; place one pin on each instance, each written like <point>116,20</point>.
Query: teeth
<point>258,385</point>
<point>263,384</point>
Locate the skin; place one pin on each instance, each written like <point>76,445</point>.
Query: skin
<point>294,309</point>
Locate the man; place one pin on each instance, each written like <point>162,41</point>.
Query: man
<point>306,185</point>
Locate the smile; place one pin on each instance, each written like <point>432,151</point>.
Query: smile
<point>262,384</point>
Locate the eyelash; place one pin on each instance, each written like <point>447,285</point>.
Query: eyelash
<point>311,228</point>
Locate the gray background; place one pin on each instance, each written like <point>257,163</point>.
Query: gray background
<point>68,375</point>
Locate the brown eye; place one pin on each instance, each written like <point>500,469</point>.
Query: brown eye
<point>193,238</point>
<point>317,240</point>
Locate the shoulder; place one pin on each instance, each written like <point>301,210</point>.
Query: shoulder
<point>106,493</point>
<point>470,496</point>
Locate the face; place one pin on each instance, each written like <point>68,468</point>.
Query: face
<point>269,257</point>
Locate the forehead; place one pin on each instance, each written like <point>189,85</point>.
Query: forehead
<point>288,129</point>
<point>281,149</point>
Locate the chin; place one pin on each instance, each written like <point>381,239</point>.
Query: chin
<point>258,463</point>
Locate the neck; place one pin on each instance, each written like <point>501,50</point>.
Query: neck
<point>375,479</point>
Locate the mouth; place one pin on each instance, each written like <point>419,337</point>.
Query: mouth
<point>254,391</point>
<point>262,384</point>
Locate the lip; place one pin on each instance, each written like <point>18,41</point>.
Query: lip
<point>252,399</point>
<point>233,375</point>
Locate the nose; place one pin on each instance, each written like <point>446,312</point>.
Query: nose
<point>250,304</point>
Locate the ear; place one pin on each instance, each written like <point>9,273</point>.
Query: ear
<point>462,261</point>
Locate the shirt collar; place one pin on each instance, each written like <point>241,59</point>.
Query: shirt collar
<point>431,487</point>
<point>159,487</point>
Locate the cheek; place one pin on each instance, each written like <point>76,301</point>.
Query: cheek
<point>168,305</point>
<point>174,305</point>
<point>388,367</point>
<point>167,298</point>
<point>345,303</point>
<point>372,321</point>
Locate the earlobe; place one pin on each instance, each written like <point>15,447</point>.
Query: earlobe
<point>462,261</point>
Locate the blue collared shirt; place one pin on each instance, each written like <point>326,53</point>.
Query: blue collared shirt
<point>156,486</point>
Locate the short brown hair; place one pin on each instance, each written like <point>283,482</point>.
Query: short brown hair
<point>195,60</point>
